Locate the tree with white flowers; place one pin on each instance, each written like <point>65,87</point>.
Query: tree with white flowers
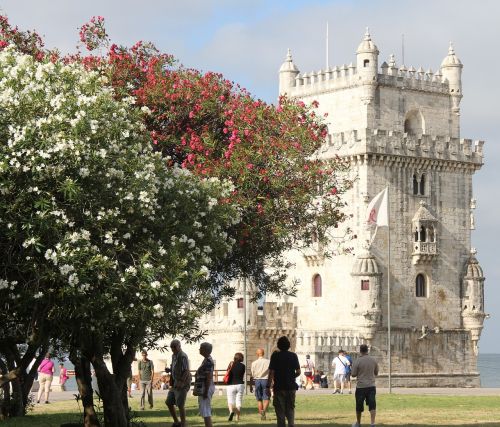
<point>103,245</point>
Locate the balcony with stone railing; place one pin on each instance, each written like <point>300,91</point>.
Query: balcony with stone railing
<point>424,252</point>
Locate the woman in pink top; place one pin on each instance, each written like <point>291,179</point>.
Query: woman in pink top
<point>63,376</point>
<point>45,375</point>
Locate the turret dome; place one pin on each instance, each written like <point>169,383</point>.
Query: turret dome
<point>367,44</point>
<point>288,65</point>
<point>451,59</point>
<point>365,265</point>
<point>474,270</point>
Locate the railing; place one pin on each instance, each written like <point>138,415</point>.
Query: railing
<point>427,248</point>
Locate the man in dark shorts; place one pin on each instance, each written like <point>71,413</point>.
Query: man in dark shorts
<point>283,369</point>
<point>180,381</point>
<point>365,369</point>
<point>260,372</point>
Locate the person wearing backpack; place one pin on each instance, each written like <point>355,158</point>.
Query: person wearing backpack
<point>348,373</point>
<point>340,365</point>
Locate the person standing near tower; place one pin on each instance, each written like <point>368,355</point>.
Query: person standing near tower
<point>283,369</point>
<point>260,372</point>
<point>340,365</point>
<point>365,369</point>
<point>146,375</point>
<point>180,381</point>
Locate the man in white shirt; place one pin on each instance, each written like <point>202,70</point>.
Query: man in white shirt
<point>340,366</point>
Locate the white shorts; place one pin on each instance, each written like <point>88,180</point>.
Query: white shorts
<point>339,377</point>
<point>204,405</point>
<point>235,394</point>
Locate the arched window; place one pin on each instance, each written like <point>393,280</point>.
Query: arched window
<point>366,63</point>
<point>422,184</point>
<point>423,234</point>
<point>414,123</point>
<point>420,287</point>
<point>415,185</point>
<point>317,285</point>
<point>416,234</point>
<point>432,236</point>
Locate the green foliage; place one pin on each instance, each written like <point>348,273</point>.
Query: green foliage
<point>99,233</point>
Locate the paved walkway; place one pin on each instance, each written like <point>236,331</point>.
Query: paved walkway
<point>68,395</point>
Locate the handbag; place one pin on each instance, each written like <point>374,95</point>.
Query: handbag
<point>227,375</point>
<point>199,387</point>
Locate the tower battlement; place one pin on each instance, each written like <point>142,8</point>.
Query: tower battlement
<point>389,142</point>
<point>345,76</point>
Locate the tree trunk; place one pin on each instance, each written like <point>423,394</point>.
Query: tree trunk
<point>115,413</point>
<point>121,362</point>
<point>5,403</point>
<point>84,382</point>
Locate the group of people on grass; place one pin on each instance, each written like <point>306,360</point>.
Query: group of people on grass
<point>274,378</point>
<point>341,366</point>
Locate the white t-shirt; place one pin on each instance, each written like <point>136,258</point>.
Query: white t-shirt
<point>340,363</point>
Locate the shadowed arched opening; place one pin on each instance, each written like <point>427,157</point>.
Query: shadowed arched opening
<point>414,123</point>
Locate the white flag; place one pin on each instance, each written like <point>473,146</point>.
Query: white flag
<point>378,210</point>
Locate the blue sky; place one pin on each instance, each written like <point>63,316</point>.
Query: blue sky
<point>246,40</point>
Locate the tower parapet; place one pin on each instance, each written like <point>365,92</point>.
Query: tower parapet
<point>424,147</point>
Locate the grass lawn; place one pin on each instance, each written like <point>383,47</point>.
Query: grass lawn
<point>325,410</point>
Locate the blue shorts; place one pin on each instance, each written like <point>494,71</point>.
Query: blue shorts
<point>260,390</point>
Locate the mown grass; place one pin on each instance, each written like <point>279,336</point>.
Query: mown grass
<point>325,410</point>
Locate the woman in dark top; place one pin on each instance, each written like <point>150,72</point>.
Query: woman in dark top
<point>236,386</point>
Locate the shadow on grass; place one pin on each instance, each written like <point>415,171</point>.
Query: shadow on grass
<point>248,419</point>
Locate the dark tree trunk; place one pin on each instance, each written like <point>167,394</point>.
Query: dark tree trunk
<point>83,378</point>
<point>121,362</point>
<point>16,374</point>
<point>115,413</point>
<point>5,404</point>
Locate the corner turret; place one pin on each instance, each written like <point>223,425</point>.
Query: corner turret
<point>366,292</point>
<point>451,67</point>
<point>288,73</point>
<point>367,58</point>
<point>473,314</point>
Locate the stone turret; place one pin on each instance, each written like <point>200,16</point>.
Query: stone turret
<point>288,73</point>
<point>473,314</point>
<point>366,293</point>
<point>451,68</point>
<point>367,70</point>
<point>367,58</point>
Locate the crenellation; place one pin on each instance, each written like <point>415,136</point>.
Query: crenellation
<point>437,147</point>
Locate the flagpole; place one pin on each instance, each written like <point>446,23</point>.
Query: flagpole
<point>389,292</point>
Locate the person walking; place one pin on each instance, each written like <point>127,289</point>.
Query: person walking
<point>259,374</point>
<point>309,373</point>
<point>146,376</point>
<point>339,364</point>
<point>180,382</point>
<point>236,387</point>
<point>284,367</point>
<point>204,386</point>
<point>45,377</point>
<point>63,376</point>
<point>348,369</point>
<point>365,369</point>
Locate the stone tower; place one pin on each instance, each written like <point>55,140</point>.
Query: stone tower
<point>400,128</point>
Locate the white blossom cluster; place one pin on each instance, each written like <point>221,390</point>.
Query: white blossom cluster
<point>88,209</point>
